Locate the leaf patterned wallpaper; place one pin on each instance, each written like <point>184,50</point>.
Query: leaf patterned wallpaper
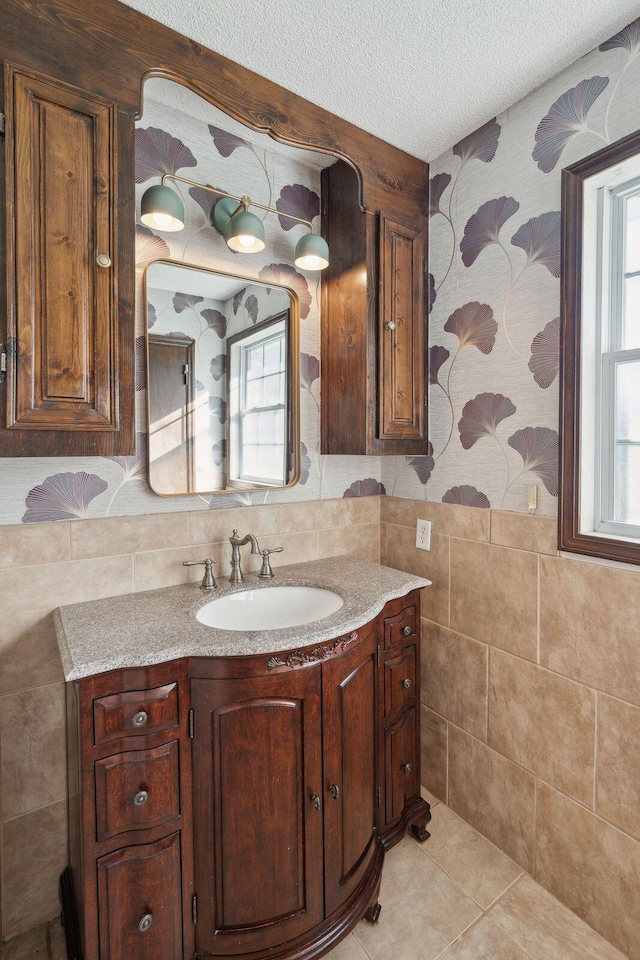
<point>494,291</point>
<point>193,144</point>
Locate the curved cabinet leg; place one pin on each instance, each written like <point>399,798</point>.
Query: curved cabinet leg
<point>419,823</point>
<point>372,913</point>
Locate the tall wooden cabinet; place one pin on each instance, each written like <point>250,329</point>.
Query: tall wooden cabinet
<point>241,807</point>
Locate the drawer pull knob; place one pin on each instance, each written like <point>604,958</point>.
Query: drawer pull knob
<point>334,790</point>
<point>103,260</point>
<point>315,799</point>
<point>390,325</point>
<point>407,631</point>
<point>140,798</point>
<point>406,683</point>
<point>140,718</point>
<point>145,922</point>
<point>407,768</point>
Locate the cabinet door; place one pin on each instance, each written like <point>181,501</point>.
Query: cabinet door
<point>257,828</point>
<point>64,391</point>
<point>140,902</point>
<point>349,723</point>
<point>401,383</point>
<point>400,756</point>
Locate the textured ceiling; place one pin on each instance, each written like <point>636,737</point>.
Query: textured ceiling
<point>420,74</point>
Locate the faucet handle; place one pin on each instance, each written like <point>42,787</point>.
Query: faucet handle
<point>266,573</point>
<point>208,581</point>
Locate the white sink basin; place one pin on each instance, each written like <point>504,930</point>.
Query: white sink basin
<point>270,608</point>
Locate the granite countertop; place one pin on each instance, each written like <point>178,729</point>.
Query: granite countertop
<point>156,626</point>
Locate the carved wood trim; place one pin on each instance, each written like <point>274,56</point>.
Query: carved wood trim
<point>297,658</point>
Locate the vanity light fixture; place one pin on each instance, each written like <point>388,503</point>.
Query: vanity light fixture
<point>162,209</point>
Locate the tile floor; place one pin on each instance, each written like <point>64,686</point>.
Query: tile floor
<point>455,897</point>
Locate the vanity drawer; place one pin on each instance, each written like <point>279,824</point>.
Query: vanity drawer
<point>399,628</point>
<point>137,790</point>
<point>135,713</point>
<point>399,680</point>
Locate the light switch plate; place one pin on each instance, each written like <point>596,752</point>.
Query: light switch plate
<point>423,535</point>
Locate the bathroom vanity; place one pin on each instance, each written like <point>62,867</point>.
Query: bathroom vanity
<point>232,794</point>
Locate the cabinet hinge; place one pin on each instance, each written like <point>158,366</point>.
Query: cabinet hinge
<point>379,793</point>
<point>191,724</point>
<point>194,909</point>
<point>3,363</point>
<point>378,655</point>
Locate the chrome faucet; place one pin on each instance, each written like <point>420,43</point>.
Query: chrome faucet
<point>208,581</point>
<point>237,575</point>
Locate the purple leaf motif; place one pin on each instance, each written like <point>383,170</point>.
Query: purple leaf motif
<point>63,496</point>
<point>157,152</point>
<point>186,301</point>
<point>566,117</point>
<point>474,326</point>
<point>215,321</point>
<point>540,240</point>
<point>237,300</point>
<point>140,362</point>
<point>135,466</point>
<point>151,315</point>
<point>437,356</point>
<point>481,416</point>
<point>299,201</point>
<point>627,39</point>
<point>483,228</point>
<point>545,354</point>
<point>538,447</point>
<point>285,275</point>
<point>219,452</point>
<point>437,186</point>
<point>305,464</point>
<point>423,466</point>
<point>431,294</point>
<point>251,306</point>
<point>225,142</point>
<point>205,200</point>
<point>149,247</point>
<point>466,496</point>
<point>309,370</point>
<point>365,488</point>
<point>218,408</point>
<point>218,366</point>
<point>481,144</point>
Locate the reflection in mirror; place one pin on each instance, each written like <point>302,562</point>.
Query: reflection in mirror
<point>222,381</point>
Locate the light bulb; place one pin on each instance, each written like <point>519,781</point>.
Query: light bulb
<point>162,219</point>
<point>246,241</point>
<point>310,263</point>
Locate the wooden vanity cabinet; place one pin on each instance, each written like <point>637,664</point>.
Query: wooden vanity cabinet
<point>241,806</point>
<point>374,324</point>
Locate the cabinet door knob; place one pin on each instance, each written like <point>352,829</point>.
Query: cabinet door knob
<point>140,798</point>
<point>315,799</point>
<point>390,325</point>
<point>407,768</point>
<point>406,683</point>
<point>407,631</point>
<point>334,790</point>
<point>103,260</point>
<point>145,922</point>
<point>140,718</point>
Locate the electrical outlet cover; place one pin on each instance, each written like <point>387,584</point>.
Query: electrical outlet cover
<point>423,535</point>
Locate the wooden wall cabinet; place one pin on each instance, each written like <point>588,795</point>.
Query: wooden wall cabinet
<point>238,807</point>
<point>373,325</point>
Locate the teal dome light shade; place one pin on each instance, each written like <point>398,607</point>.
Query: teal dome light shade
<point>162,209</point>
<point>245,233</point>
<point>312,252</point>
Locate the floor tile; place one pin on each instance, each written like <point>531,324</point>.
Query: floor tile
<point>483,871</point>
<point>57,942</point>
<point>423,910</point>
<point>545,928</point>
<point>347,949</point>
<point>485,941</point>
<point>29,946</point>
<point>429,797</point>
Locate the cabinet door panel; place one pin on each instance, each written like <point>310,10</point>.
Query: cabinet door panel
<point>402,321</point>
<point>400,764</point>
<point>349,715</point>
<point>258,835</point>
<point>137,883</point>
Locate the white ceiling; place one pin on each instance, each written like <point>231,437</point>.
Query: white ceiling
<point>420,74</point>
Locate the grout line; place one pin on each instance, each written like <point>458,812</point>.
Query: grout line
<point>488,675</point>
<point>459,936</point>
<point>449,587</point>
<point>37,686</point>
<point>595,753</point>
<point>535,828</point>
<point>538,609</point>
<point>509,886</point>
<point>446,783</point>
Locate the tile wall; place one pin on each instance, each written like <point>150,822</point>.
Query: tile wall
<point>48,565</point>
<point>531,700</point>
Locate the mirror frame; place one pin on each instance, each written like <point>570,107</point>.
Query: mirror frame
<point>570,537</point>
<point>293,351</point>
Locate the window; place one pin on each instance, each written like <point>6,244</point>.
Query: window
<point>600,500</point>
<point>258,405</point>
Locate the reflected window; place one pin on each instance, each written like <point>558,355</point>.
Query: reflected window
<point>258,404</point>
